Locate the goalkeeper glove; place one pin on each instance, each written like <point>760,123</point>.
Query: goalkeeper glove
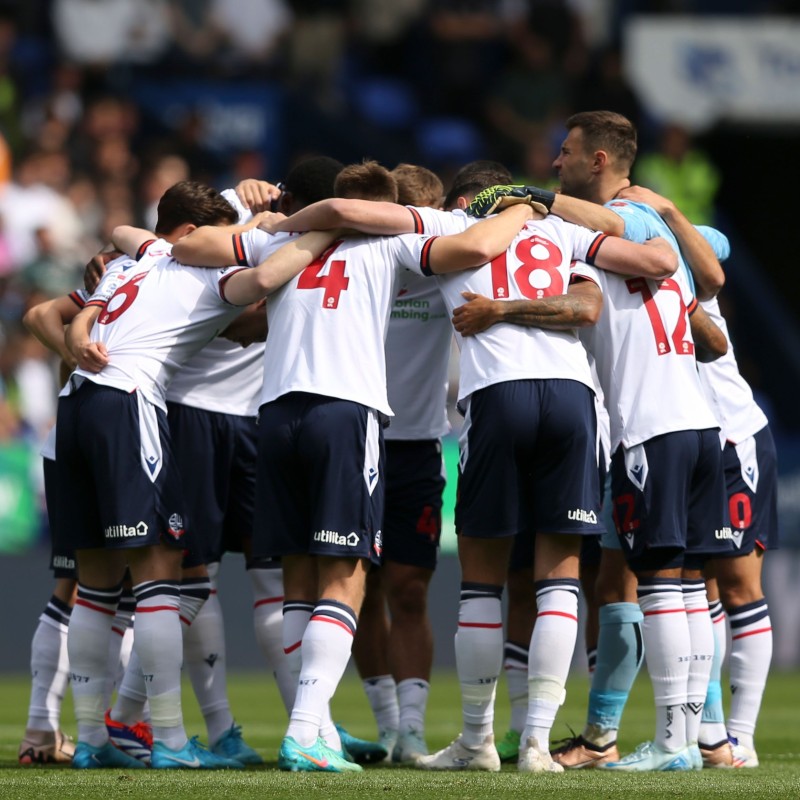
<point>496,198</point>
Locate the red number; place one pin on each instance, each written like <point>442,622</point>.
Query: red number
<point>683,347</point>
<point>121,300</point>
<point>537,277</point>
<point>334,282</point>
<point>740,510</point>
<point>623,514</point>
<point>429,523</point>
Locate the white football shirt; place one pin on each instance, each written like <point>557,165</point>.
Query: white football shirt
<point>327,326</point>
<point>156,316</point>
<point>727,392</point>
<point>644,356</point>
<point>536,265</point>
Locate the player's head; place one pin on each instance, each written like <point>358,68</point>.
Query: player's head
<point>192,203</point>
<point>366,181</point>
<point>418,186</point>
<point>473,178</point>
<point>308,181</point>
<point>599,145</point>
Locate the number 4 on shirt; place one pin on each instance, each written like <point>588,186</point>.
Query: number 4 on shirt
<point>334,282</point>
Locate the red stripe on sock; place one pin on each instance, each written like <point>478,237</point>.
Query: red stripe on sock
<point>148,609</point>
<point>751,633</point>
<point>332,621</point>
<point>696,610</point>
<point>292,647</point>
<point>720,618</point>
<point>557,614</point>
<point>267,600</point>
<point>81,602</point>
<point>666,611</point>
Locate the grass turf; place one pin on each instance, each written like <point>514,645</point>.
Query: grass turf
<point>258,708</point>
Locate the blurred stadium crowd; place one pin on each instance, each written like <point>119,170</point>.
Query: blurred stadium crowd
<point>436,82</point>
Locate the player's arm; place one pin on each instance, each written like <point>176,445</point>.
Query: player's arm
<point>697,251</point>
<point>590,215</point>
<point>478,244</point>
<point>129,239</point>
<point>654,259</point>
<point>46,322</point>
<point>581,306</point>
<point>367,216</point>
<point>91,356</point>
<point>572,209</point>
<point>215,245</point>
<point>710,342</point>
<point>250,285</point>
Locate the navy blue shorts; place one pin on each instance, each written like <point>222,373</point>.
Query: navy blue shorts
<point>412,522</point>
<point>320,482</point>
<point>216,456</point>
<point>669,500</point>
<point>751,477</point>
<point>117,484</point>
<point>528,460</point>
<point>62,562</point>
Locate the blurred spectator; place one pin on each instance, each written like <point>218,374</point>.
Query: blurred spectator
<point>28,203</point>
<point>317,43</point>
<point>464,50</point>
<point>530,97</point>
<point>683,173</point>
<point>53,271</point>
<point>603,87</point>
<point>100,34</point>
<point>537,162</point>
<point>196,36</point>
<point>253,30</point>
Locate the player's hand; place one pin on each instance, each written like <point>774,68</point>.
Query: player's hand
<point>96,268</point>
<point>496,198</point>
<point>478,314</point>
<point>91,356</point>
<point>268,220</point>
<point>640,194</point>
<point>257,195</point>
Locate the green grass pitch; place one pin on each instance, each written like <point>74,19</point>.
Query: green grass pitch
<point>256,704</point>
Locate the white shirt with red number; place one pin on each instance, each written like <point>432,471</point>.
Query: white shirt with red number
<point>155,317</point>
<point>536,265</point>
<point>644,356</point>
<point>327,326</point>
<point>727,392</point>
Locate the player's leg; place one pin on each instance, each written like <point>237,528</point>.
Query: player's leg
<point>713,737</point>
<point>751,475</point>
<point>620,652</point>
<point>521,615</point>
<point>315,437</point>
<point>266,579</point>
<point>410,653</point>
<point>552,644</point>
<point>751,648</point>
<point>650,488</point>
<point>479,655</point>
<point>43,742</point>
<point>371,657</point>
<point>564,498</point>
<point>411,532</point>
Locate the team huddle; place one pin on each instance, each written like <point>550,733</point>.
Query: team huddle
<point>274,382</point>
